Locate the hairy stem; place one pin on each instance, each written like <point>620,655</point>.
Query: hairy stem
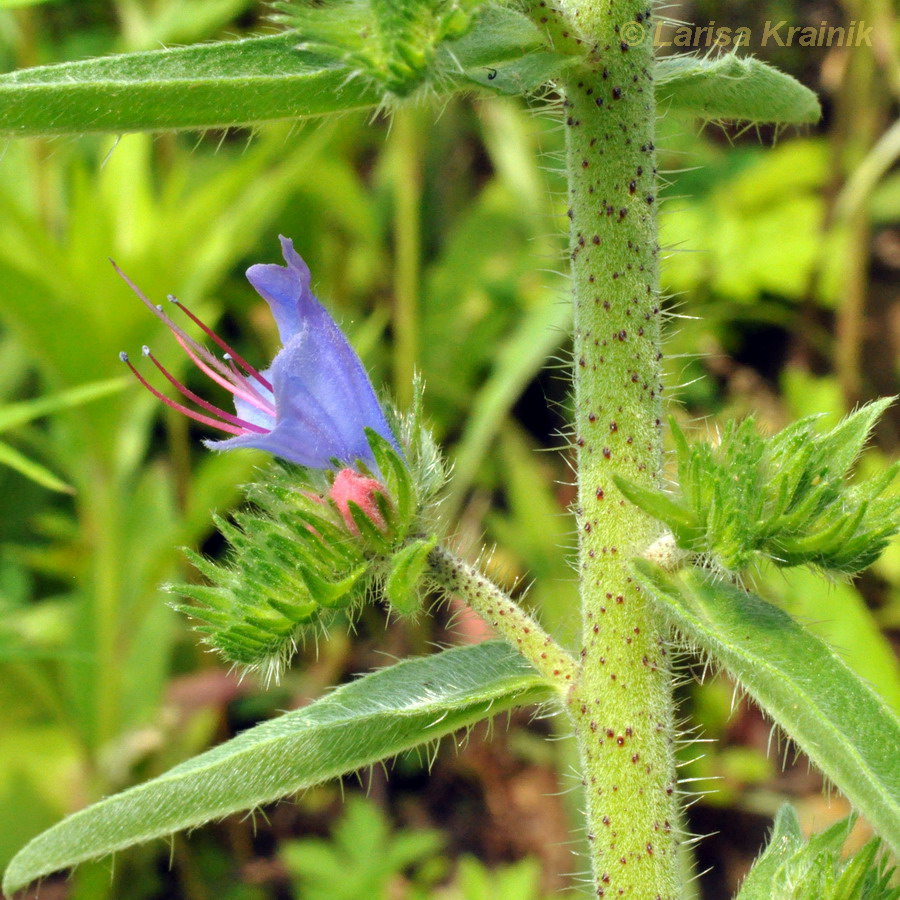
<point>453,575</point>
<point>621,704</point>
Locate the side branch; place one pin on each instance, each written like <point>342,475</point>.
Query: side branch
<point>453,575</point>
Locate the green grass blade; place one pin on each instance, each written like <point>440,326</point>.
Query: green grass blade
<point>539,333</point>
<point>13,414</point>
<point>11,457</point>
<point>374,717</point>
<point>844,727</point>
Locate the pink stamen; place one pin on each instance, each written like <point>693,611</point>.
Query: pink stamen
<point>245,383</point>
<point>190,413</point>
<point>232,353</point>
<point>226,375</point>
<point>187,392</point>
<point>180,334</point>
<point>238,391</point>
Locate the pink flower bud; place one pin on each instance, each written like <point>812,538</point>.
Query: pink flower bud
<point>349,486</point>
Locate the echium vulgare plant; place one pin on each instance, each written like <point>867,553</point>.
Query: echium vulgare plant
<point>347,515</point>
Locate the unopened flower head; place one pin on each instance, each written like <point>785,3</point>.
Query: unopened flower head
<point>312,406</point>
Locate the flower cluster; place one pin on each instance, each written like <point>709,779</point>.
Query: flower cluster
<point>786,498</point>
<point>396,45</point>
<point>312,406</point>
<point>343,510</point>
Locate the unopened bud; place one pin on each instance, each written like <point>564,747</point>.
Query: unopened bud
<point>351,487</point>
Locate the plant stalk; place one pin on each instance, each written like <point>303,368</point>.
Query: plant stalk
<point>452,575</point>
<point>622,702</point>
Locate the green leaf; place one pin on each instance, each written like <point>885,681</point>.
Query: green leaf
<point>845,442</point>
<point>377,716</point>
<point>238,82</point>
<point>407,568</point>
<point>785,498</point>
<point>681,520</point>
<point>519,76</point>
<point>392,43</point>
<point>13,414</point>
<point>786,839</point>
<point>203,86</point>
<point>333,594</point>
<point>361,858</point>
<point>844,727</point>
<point>815,870</point>
<point>504,52</point>
<point>11,457</point>
<point>731,87</point>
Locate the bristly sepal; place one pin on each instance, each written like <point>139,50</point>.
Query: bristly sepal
<point>785,498</point>
<point>392,43</point>
<point>817,868</point>
<point>313,543</point>
<point>402,586</point>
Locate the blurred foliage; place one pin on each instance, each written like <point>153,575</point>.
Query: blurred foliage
<point>440,246</point>
<point>361,858</point>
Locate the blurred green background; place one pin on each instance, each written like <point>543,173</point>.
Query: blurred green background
<point>437,239</point>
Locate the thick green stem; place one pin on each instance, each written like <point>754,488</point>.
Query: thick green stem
<point>453,575</point>
<point>622,702</point>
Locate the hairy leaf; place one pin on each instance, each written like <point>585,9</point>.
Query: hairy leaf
<point>401,587</point>
<point>786,498</point>
<point>736,88</point>
<point>837,719</point>
<point>241,82</point>
<point>376,716</point>
<point>814,869</point>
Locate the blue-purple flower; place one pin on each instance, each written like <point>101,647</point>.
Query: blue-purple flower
<point>312,406</point>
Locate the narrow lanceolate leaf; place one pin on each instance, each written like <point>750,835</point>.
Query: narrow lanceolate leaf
<point>372,718</point>
<point>734,88</point>
<point>245,82</point>
<point>208,85</point>
<point>11,457</point>
<point>833,716</point>
<point>13,414</point>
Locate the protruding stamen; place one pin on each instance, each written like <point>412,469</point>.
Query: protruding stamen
<point>187,392</point>
<point>241,389</point>
<point>190,413</point>
<point>259,401</point>
<point>182,336</point>
<point>231,352</point>
<point>226,375</point>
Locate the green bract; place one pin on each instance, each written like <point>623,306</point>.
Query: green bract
<point>795,869</point>
<point>391,43</point>
<point>295,557</point>
<point>785,498</point>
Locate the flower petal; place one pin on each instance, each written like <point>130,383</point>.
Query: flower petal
<point>286,289</point>
<point>323,398</point>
